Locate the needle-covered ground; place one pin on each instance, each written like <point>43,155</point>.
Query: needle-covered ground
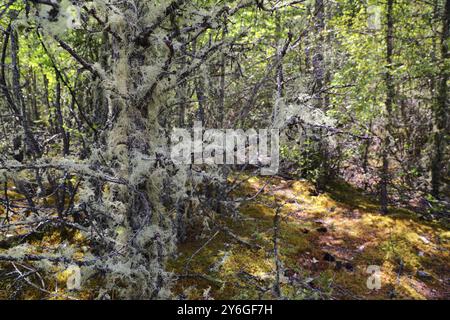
<point>326,243</point>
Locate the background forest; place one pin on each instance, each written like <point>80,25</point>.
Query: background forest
<point>92,207</point>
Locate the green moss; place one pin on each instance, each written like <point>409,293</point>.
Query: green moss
<point>355,231</point>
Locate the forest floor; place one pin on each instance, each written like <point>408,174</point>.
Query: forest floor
<point>326,243</point>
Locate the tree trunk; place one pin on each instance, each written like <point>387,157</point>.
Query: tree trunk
<point>440,110</point>
<point>222,71</point>
<point>60,119</point>
<point>390,93</point>
<point>31,144</point>
<point>135,149</point>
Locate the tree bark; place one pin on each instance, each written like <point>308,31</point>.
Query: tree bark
<point>29,139</point>
<point>390,95</point>
<point>440,110</point>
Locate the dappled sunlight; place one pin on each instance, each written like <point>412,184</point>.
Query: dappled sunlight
<point>329,238</point>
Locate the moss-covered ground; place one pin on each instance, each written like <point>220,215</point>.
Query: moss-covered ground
<point>326,243</point>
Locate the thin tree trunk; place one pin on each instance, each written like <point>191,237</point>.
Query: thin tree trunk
<point>222,80</point>
<point>200,92</point>
<point>317,60</point>
<point>60,119</point>
<point>440,110</point>
<point>276,236</point>
<point>279,76</point>
<point>390,94</point>
<point>48,107</point>
<point>365,163</point>
<point>30,141</point>
<point>37,115</point>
